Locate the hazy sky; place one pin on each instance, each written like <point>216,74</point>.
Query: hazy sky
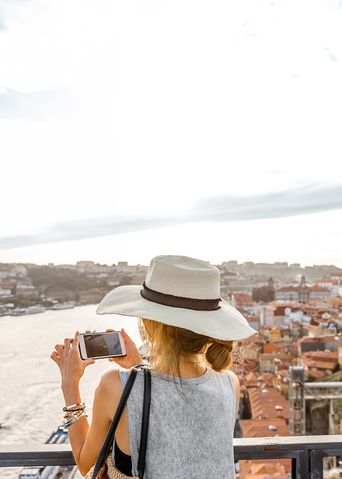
<point>131,129</point>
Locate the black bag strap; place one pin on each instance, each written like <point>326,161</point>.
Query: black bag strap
<point>105,449</point>
<point>111,431</point>
<point>144,423</point>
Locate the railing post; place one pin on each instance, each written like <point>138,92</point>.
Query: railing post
<point>316,464</point>
<point>301,466</point>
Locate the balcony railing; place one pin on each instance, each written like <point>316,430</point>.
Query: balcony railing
<point>306,453</point>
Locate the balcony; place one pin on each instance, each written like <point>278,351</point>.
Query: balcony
<point>306,453</point>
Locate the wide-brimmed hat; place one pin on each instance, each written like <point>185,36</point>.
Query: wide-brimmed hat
<point>180,291</point>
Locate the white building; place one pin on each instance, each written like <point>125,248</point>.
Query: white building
<point>5,292</point>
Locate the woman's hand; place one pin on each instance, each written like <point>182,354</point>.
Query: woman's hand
<point>68,359</point>
<point>132,357</point>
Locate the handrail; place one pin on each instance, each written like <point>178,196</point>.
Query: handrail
<point>306,453</point>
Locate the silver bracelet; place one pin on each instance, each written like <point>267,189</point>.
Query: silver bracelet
<point>74,419</point>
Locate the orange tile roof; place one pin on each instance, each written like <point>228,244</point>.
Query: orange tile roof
<point>243,298</point>
<point>259,469</point>
<point>264,427</point>
<point>319,288</point>
<point>311,363</point>
<point>264,401</point>
<point>322,355</point>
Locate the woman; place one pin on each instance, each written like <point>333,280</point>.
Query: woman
<point>188,331</point>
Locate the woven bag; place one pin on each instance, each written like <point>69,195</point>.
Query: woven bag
<point>104,467</point>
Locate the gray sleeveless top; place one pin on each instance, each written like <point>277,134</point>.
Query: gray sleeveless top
<point>190,436</point>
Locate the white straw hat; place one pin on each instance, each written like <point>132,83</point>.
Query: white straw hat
<point>183,292</point>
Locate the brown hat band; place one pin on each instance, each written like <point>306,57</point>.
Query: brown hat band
<point>179,301</point>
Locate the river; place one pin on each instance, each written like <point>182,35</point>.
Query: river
<point>31,400</point>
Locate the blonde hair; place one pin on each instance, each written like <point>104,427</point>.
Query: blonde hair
<point>166,345</point>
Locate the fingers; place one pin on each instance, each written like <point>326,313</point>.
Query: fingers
<point>76,340</point>
<point>59,348</point>
<point>126,337</point>
<point>123,332</point>
<point>55,357</point>
<point>67,344</point>
<point>109,330</point>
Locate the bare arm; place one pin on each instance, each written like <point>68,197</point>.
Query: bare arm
<point>86,440</point>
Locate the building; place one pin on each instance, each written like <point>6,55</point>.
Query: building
<point>281,264</point>
<point>334,283</point>
<point>83,266</point>
<point>124,267</point>
<point>24,290</point>
<point>268,361</point>
<point>317,343</point>
<point>301,292</point>
<point>267,402</point>
<point>319,364</point>
<point>241,299</point>
<point>5,292</point>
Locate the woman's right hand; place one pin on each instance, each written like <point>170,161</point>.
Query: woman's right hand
<point>68,359</point>
<point>132,357</point>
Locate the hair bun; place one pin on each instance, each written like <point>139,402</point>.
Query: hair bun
<point>219,354</point>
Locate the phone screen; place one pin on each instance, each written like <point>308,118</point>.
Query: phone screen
<point>102,344</point>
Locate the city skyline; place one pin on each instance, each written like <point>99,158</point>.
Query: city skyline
<point>234,262</point>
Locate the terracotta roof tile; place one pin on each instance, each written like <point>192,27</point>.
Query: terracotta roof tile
<point>264,427</point>
<point>264,401</point>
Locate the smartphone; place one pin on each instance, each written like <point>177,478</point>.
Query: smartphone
<point>99,345</point>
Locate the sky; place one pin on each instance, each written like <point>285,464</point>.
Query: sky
<point>132,129</point>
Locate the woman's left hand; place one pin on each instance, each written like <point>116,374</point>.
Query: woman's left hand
<point>132,356</point>
<point>68,359</point>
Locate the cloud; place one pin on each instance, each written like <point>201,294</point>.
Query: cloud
<point>84,229</point>
<point>292,202</point>
<point>37,105</point>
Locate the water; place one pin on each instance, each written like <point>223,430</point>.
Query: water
<point>31,399</point>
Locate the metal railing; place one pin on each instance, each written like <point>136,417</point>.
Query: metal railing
<point>306,453</point>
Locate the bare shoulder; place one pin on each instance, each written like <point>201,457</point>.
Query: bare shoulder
<point>110,379</point>
<point>109,387</point>
<point>109,390</point>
